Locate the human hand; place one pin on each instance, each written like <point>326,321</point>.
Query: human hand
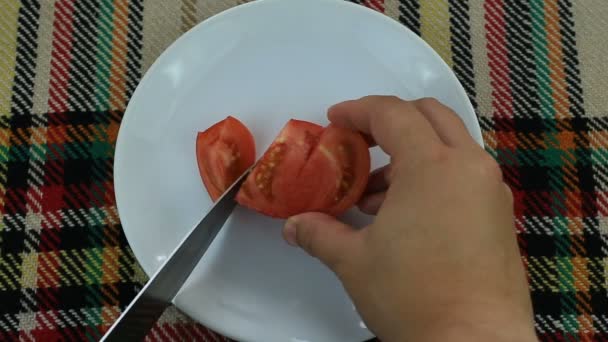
<point>440,261</point>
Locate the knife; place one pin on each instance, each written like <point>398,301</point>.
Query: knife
<point>137,319</point>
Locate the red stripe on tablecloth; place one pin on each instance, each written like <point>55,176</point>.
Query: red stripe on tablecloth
<point>61,56</point>
<point>502,99</point>
<point>502,102</point>
<point>377,5</point>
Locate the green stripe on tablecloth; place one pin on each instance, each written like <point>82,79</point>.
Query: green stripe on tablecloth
<point>104,54</point>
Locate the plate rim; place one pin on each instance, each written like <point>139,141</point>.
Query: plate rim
<point>118,155</point>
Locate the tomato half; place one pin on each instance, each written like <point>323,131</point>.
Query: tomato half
<point>308,168</point>
<point>223,152</point>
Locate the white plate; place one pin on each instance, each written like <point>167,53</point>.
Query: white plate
<point>264,62</point>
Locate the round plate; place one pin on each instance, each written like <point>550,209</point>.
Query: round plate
<point>264,62</point>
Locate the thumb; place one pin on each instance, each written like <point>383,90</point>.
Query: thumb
<point>323,237</point>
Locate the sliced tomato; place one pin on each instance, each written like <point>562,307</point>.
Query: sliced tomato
<point>223,152</point>
<point>346,154</point>
<point>308,168</point>
<point>264,188</point>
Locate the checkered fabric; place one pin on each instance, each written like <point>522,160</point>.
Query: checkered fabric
<point>536,71</point>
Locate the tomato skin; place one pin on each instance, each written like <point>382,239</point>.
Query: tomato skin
<point>264,187</point>
<point>223,152</point>
<point>308,168</point>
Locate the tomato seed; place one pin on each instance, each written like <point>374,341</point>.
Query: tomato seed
<point>346,158</point>
<point>266,167</point>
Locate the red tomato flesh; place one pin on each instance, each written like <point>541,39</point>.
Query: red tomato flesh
<point>223,152</point>
<point>308,168</point>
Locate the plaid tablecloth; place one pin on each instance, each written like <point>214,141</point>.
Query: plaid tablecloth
<point>536,71</point>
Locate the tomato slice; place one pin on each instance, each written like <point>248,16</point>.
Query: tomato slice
<point>223,152</point>
<point>346,159</point>
<point>264,188</point>
<point>308,168</point>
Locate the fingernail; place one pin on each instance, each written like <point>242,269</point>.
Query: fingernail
<point>289,232</point>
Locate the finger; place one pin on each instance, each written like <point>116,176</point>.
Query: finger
<point>396,125</point>
<point>369,140</point>
<point>508,194</point>
<point>448,125</point>
<point>370,204</point>
<point>379,180</point>
<point>323,237</point>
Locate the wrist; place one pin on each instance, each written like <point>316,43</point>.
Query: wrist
<point>467,330</point>
<point>470,325</point>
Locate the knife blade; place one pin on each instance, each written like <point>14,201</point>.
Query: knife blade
<point>141,314</point>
